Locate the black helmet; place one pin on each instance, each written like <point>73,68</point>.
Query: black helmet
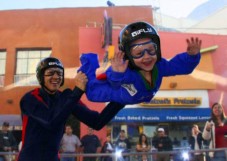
<point>135,31</point>
<point>46,63</point>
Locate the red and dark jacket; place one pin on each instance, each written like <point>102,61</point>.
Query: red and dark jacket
<point>44,117</point>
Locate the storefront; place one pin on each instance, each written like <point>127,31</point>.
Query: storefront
<point>176,111</point>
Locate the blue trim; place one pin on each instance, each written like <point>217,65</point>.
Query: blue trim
<point>14,120</point>
<point>141,115</point>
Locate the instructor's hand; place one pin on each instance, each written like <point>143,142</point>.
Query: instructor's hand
<point>194,46</point>
<point>81,80</point>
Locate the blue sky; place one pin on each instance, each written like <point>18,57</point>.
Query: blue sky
<point>175,8</point>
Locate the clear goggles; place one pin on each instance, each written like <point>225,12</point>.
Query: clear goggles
<point>138,50</point>
<point>51,72</point>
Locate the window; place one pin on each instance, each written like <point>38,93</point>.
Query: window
<point>27,61</point>
<point>2,67</point>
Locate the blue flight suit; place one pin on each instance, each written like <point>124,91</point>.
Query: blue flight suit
<point>130,87</point>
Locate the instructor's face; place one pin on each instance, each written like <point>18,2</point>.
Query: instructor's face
<point>53,78</point>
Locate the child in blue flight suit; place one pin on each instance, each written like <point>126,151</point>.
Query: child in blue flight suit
<point>46,109</point>
<point>136,71</point>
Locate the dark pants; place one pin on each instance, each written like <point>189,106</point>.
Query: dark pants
<point>163,157</point>
<point>199,157</point>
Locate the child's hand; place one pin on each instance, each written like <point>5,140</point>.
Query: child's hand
<point>194,45</point>
<point>81,80</point>
<point>118,64</point>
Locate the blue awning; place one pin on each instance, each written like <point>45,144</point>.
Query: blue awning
<point>162,115</point>
<point>14,120</point>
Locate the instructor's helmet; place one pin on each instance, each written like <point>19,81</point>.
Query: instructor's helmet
<point>135,31</point>
<point>46,63</point>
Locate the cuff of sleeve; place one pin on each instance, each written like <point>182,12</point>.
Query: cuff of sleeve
<point>118,105</point>
<point>77,92</point>
<point>194,58</point>
<point>116,76</point>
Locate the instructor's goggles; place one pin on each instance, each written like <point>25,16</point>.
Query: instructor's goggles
<point>138,50</point>
<point>51,72</point>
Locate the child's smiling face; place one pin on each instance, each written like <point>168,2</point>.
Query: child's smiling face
<point>144,54</point>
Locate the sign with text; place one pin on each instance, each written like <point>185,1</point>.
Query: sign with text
<point>174,101</point>
<point>162,115</point>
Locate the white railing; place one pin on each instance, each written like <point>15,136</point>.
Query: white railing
<point>133,156</point>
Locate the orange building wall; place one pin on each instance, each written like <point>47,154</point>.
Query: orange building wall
<point>57,29</point>
<point>62,30</point>
<point>51,28</point>
<point>173,43</point>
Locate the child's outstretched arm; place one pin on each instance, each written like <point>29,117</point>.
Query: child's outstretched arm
<point>183,63</point>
